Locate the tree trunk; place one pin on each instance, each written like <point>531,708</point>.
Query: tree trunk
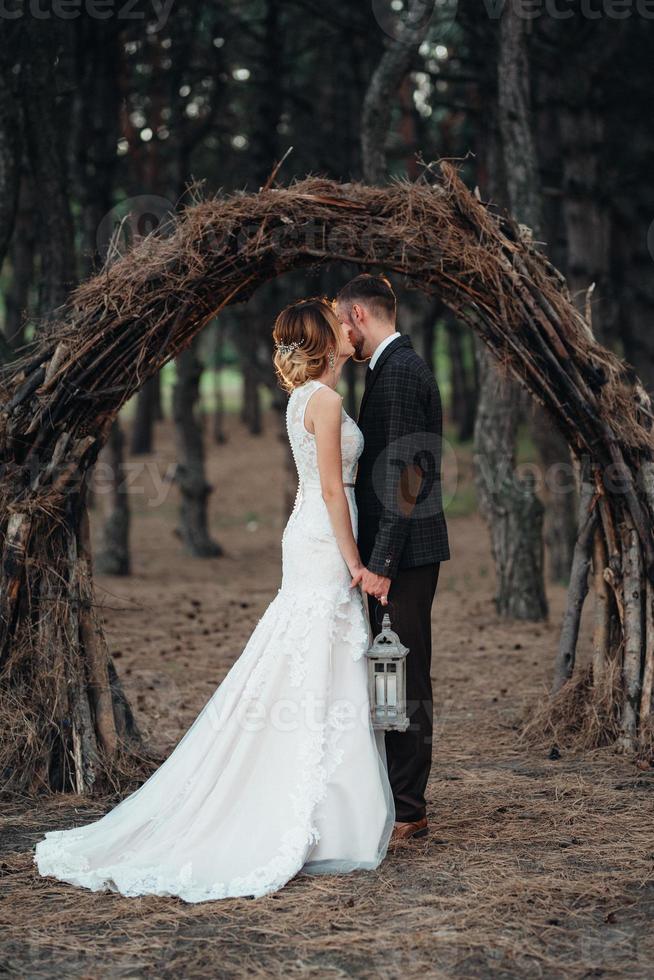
<point>433,312</point>
<point>251,415</point>
<point>525,200</point>
<point>80,726</point>
<point>97,128</point>
<point>113,557</point>
<point>578,588</point>
<point>632,660</point>
<point>158,400</point>
<point>428,339</point>
<point>605,610</point>
<point>633,273</point>
<point>270,92</point>
<point>636,296</point>
<point>44,114</point>
<point>587,218</point>
<point>463,402</point>
<point>507,503</point>
<point>559,495</point>
<point>97,118</point>
<point>142,442</point>
<point>219,433</point>
<point>247,342</point>
<point>524,195</point>
<point>10,137</point>
<point>648,667</point>
<point>190,474</point>
<point>381,95</point>
<point>22,253</point>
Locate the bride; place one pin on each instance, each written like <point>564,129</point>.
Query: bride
<point>281,771</point>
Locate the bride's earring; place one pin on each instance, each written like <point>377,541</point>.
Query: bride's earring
<point>331,357</point>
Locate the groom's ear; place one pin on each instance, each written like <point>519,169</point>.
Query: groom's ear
<point>358,312</point>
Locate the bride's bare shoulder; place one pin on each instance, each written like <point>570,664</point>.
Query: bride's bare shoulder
<point>327,397</point>
<point>323,404</point>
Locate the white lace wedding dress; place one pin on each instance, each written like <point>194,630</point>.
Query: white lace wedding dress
<point>281,771</point>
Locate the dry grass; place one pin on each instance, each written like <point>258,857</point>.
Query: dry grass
<point>528,871</point>
<point>582,713</point>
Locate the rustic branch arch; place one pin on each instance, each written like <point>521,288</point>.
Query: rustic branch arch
<point>64,720</point>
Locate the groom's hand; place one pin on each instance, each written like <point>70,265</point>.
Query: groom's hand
<point>375,585</point>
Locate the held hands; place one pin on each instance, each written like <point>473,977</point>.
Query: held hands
<point>374,585</point>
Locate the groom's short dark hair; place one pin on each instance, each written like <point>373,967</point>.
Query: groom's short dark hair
<point>375,291</point>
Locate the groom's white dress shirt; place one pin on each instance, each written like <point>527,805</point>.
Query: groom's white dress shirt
<point>380,347</point>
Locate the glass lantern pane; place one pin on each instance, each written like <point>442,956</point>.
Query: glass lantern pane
<point>391,691</point>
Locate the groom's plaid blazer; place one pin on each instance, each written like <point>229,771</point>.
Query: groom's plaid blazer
<point>401,420</point>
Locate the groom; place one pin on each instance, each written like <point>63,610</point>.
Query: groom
<point>402,531</point>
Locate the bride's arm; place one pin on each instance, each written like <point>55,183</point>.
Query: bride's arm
<point>324,417</point>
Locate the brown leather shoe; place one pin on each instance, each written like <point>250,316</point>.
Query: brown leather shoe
<point>408,830</point>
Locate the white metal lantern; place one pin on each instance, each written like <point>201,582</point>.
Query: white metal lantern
<point>387,680</point>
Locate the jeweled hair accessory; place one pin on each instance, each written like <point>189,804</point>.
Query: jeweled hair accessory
<point>287,348</point>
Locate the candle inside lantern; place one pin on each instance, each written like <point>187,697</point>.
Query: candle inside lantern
<point>391,690</point>
<point>380,694</point>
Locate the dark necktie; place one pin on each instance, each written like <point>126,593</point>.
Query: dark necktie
<point>369,373</point>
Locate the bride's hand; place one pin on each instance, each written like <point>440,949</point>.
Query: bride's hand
<point>376,585</point>
<point>357,575</point>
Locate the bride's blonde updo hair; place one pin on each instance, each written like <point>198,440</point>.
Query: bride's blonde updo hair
<point>304,334</point>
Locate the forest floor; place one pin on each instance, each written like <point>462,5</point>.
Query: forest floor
<point>533,867</point>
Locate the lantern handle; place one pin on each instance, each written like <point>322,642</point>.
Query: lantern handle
<point>386,611</point>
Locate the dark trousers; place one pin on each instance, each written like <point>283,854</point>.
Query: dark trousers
<point>408,753</point>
